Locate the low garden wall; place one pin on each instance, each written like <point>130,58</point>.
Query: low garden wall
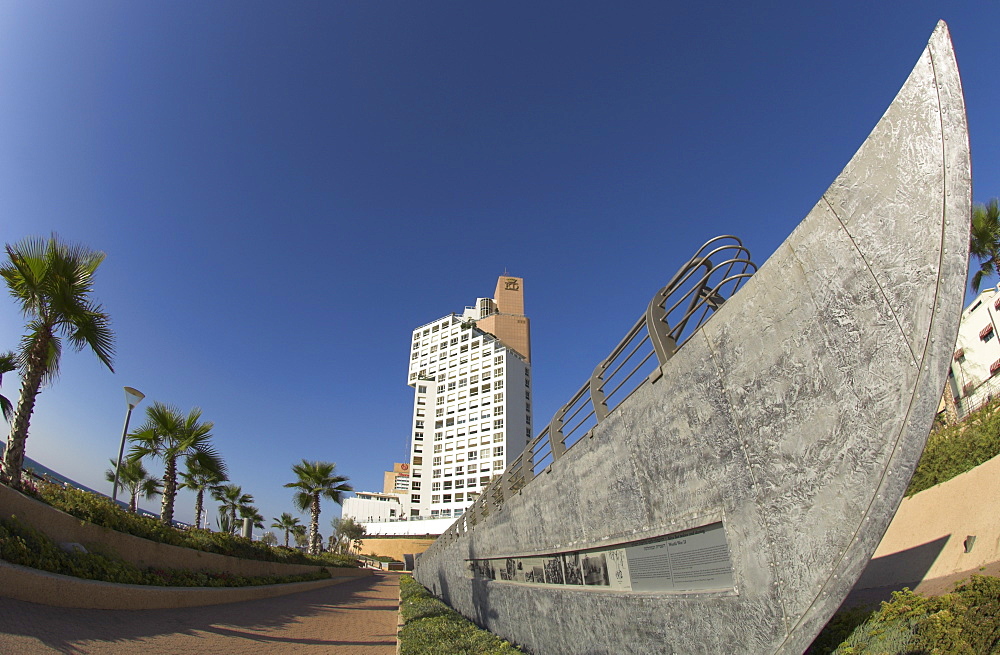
<point>927,538</point>
<point>395,547</point>
<point>44,588</point>
<point>62,527</point>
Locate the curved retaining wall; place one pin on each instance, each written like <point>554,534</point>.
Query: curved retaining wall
<point>731,504</point>
<point>63,527</point>
<point>32,585</point>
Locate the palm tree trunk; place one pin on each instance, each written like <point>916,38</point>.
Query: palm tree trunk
<point>133,503</point>
<point>13,458</point>
<point>169,491</point>
<point>314,526</point>
<point>232,520</point>
<point>950,413</point>
<point>286,537</point>
<point>198,503</point>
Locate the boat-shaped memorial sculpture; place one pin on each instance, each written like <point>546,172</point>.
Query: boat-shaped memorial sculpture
<point>723,478</point>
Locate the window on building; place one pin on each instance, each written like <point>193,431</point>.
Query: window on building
<point>498,360</point>
<point>439,411</point>
<point>484,453</point>
<point>446,513</point>
<point>418,436</point>
<point>447,472</point>
<point>435,486</point>
<point>437,436</point>
<point>498,410</point>
<point>498,437</point>
<point>473,455</point>
<point>415,486</point>
<point>435,513</point>
<point>459,498</point>
<point>415,498</point>
<point>471,482</point>
<point>436,473</point>
<point>498,397</point>
<point>498,451</point>
<point>498,384</point>
<point>446,499</point>
<point>435,499</point>
<point>498,465</point>
<point>498,424</point>
<point>436,461</point>
<point>437,447</point>
<point>447,485</point>
<point>418,460</point>
<point>459,483</point>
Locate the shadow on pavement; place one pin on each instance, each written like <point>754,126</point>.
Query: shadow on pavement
<point>68,630</point>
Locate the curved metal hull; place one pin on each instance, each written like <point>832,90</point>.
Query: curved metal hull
<point>794,418</point>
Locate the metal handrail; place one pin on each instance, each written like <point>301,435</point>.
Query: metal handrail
<point>692,298</point>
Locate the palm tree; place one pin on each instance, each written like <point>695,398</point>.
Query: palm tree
<point>984,241</point>
<point>285,522</point>
<point>134,477</point>
<point>52,282</point>
<point>233,500</point>
<point>316,479</point>
<point>299,532</point>
<point>8,363</point>
<point>169,436</point>
<point>198,479</point>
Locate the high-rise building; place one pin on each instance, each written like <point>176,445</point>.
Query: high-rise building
<point>471,377</point>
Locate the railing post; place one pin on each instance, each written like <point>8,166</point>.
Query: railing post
<point>556,437</point>
<point>597,397</point>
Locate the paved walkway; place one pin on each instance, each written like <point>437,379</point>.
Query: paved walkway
<point>356,617</point>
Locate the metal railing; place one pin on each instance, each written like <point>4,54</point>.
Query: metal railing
<point>716,271</point>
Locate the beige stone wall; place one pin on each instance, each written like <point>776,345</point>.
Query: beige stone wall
<point>395,548</point>
<point>926,539</point>
<point>62,527</point>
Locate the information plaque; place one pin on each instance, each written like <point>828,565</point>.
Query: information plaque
<point>690,561</point>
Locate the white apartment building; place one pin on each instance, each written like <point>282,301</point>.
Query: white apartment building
<point>471,377</point>
<point>975,366</point>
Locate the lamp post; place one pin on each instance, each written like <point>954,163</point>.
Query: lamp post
<point>132,398</point>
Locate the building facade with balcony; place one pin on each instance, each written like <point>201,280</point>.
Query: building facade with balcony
<point>975,367</point>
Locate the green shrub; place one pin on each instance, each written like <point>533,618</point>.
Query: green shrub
<point>966,621</point>
<point>21,544</point>
<point>433,628</point>
<point>99,510</point>
<point>958,448</point>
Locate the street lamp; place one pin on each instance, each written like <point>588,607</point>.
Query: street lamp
<point>132,398</point>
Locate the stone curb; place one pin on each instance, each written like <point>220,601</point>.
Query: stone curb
<point>56,590</point>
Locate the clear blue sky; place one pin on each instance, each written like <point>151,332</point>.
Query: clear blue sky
<point>285,191</point>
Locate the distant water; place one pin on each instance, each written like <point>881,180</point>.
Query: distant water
<point>45,471</point>
<point>41,469</point>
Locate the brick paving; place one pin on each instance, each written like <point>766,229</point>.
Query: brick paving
<point>356,617</point>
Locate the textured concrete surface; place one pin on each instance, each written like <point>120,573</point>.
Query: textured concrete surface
<point>357,617</point>
<point>795,416</point>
